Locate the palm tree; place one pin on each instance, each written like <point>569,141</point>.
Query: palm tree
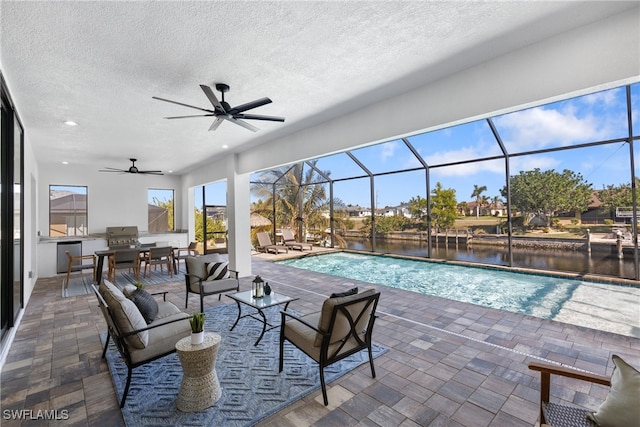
<point>495,201</point>
<point>293,183</point>
<point>477,193</point>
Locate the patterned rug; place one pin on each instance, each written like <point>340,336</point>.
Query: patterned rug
<point>252,387</point>
<point>81,285</point>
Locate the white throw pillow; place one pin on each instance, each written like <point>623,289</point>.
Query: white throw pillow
<point>622,406</point>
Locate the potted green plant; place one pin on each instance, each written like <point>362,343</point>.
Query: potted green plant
<point>197,328</point>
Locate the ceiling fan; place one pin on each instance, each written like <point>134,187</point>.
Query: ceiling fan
<point>223,111</point>
<point>132,169</point>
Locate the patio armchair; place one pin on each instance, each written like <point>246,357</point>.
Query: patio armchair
<point>209,275</point>
<point>291,242</point>
<point>265,244</point>
<point>343,327</point>
<point>137,340</point>
<point>621,407</point>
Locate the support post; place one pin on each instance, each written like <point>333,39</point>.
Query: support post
<point>239,219</point>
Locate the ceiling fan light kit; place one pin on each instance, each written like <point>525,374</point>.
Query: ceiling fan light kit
<point>223,111</point>
<point>132,169</point>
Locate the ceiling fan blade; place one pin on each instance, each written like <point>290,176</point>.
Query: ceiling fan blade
<point>250,105</point>
<point>242,123</point>
<point>184,105</point>
<point>259,117</point>
<point>151,172</point>
<point>186,117</point>
<point>112,170</point>
<point>212,98</point>
<point>216,123</point>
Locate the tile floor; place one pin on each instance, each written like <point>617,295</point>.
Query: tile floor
<point>448,364</point>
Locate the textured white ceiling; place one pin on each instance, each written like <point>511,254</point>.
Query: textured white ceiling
<point>99,64</point>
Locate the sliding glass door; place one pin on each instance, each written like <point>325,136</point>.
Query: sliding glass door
<point>11,214</point>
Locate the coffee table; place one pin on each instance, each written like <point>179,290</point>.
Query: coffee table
<point>259,304</point>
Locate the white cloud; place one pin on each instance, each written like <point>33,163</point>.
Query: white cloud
<point>387,150</point>
<point>539,128</point>
<point>470,169</point>
<point>607,97</point>
<point>527,163</point>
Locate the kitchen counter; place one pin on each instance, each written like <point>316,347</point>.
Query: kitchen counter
<point>47,255</point>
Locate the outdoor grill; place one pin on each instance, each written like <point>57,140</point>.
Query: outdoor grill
<point>119,236</point>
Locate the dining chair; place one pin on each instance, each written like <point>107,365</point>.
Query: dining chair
<point>183,253</point>
<point>160,255</point>
<point>124,258</point>
<point>76,264</point>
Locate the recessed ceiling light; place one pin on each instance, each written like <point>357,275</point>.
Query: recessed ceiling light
<point>225,146</point>
<point>170,171</point>
<point>70,123</point>
<point>65,163</point>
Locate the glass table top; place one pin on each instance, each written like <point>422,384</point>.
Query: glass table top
<point>266,301</point>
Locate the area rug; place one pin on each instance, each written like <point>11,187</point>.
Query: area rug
<point>81,285</point>
<point>252,387</point>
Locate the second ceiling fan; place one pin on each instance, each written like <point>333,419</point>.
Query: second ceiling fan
<point>223,111</point>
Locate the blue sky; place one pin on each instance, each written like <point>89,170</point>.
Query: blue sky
<point>595,117</point>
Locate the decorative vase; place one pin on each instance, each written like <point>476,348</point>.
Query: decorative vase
<point>197,338</point>
<point>267,289</point>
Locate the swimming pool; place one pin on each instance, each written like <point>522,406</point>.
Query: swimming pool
<point>542,296</point>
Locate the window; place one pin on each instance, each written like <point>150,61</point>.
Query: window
<point>68,211</point>
<point>161,211</point>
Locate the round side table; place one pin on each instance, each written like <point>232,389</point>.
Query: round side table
<point>200,388</point>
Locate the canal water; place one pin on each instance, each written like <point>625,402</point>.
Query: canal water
<point>598,262</point>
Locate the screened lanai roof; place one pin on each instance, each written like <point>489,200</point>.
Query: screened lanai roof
<point>587,134</point>
<point>591,139</point>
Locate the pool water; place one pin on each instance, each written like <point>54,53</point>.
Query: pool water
<point>535,295</point>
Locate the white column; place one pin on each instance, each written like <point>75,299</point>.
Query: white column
<point>239,215</point>
<point>191,220</point>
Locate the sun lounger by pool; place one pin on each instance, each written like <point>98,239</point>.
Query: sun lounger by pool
<point>265,244</point>
<point>291,243</point>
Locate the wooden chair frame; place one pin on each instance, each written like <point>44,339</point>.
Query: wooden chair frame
<point>159,255</point>
<point>546,371</point>
<point>79,267</point>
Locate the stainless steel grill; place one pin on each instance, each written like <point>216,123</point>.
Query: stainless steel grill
<point>120,236</point>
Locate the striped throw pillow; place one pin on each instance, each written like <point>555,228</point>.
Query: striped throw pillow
<point>217,271</point>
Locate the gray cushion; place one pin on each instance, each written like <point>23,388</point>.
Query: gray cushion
<point>351,291</point>
<point>341,326</point>
<point>215,286</point>
<point>303,337</point>
<point>163,339</point>
<point>146,304</point>
<point>125,314</point>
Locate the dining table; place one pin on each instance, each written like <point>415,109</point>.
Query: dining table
<point>105,253</point>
